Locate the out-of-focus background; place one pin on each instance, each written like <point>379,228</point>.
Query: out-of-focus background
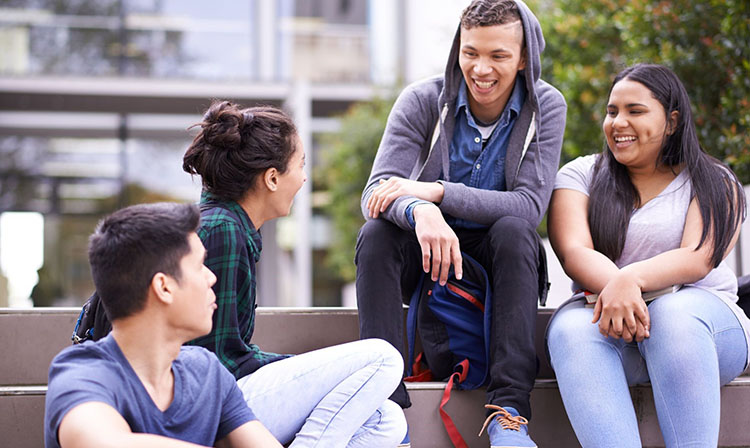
<point>96,97</point>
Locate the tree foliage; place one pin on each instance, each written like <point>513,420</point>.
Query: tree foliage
<point>346,167</point>
<point>706,43</point>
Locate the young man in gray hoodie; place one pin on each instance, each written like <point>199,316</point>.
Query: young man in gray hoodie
<point>467,163</point>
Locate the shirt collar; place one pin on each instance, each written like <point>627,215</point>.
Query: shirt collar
<point>514,104</point>
<point>251,232</point>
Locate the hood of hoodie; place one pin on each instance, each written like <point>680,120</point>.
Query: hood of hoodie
<point>534,41</point>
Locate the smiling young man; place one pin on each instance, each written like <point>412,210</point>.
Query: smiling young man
<point>138,386</point>
<point>467,163</point>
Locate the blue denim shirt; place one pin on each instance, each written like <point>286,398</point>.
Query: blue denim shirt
<point>472,165</point>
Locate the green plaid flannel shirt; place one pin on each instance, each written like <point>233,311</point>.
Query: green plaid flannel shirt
<point>233,247</point>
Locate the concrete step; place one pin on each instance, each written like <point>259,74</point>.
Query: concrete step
<point>31,338</point>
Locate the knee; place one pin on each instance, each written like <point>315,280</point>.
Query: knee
<point>376,239</point>
<point>390,359</point>
<point>513,234</point>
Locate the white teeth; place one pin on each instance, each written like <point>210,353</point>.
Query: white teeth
<point>628,138</point>
<point>484,85</point>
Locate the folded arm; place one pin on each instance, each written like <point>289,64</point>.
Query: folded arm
<point>97,425</point>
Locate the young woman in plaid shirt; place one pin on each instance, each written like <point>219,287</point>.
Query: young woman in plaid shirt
<point>251,163</point>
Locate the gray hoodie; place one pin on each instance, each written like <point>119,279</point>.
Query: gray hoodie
<point>531,162</point>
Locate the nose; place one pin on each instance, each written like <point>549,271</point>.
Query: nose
<point>210,275</point>
<point>619,121</point>
<point>481,67</point>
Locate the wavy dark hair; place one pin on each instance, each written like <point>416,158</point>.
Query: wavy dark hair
<point>613,198</point>
<point>236,145</point>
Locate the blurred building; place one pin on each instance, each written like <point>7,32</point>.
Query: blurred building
<point>96,97</point>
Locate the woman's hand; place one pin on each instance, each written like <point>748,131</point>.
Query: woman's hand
<point>621,311</point>
<point>395,187</point>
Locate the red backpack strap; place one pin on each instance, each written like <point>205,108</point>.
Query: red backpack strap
<point>450,427</point>
<point>419,373</point>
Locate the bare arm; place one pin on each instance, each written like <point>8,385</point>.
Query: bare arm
<point>250,435</point>
<point>570,237</point>
<point>99,425</point>
<point>620,310</point>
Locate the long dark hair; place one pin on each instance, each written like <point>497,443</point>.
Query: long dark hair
<point>236,145</point>
<point>613,196</point>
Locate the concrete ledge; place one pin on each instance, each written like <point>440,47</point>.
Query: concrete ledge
<point>549,426</point>
<point>31,338</point>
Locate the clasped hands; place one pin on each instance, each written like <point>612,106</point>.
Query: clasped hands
<point>621,311</point>
<point>438,242</point>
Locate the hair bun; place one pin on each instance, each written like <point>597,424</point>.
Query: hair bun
<point>222,124</point>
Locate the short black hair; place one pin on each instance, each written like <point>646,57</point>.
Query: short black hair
<point>235,146</point>
<point>490,13</point>
<point>132,245</point>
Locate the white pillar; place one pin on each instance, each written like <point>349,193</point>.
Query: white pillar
<point>266,34</point>
<point>300,105</point>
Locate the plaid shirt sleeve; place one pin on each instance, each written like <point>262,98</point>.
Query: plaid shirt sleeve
<point>234,319</point>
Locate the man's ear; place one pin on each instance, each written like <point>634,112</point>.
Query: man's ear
<point>522,62</point>
<point>162,287</point>
<point>672,124</point>
<point>271,179</point>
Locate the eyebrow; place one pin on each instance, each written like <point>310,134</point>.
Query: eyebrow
<point>628,105</point>
<point>497,50</point>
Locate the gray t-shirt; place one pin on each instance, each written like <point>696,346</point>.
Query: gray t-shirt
<point>656,228</point>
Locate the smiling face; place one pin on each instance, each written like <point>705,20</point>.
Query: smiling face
<point>635,126</point>
<point>194,299</point>
<point>290,182</point>
<point>490,59</point>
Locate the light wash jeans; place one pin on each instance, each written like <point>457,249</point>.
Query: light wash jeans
<point>332,397</point>
<point>696,346</point>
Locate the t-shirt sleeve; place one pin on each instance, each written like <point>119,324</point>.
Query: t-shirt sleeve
<point>72,381</point>
<point>576,174</point>
<point>234,410</point>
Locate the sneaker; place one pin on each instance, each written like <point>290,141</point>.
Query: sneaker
<point>406,443</point>
<point>507,429</point>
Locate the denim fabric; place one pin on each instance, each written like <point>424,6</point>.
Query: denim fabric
<point>333,397</point>
<point>473,163</point>
<point>696,345</point>
<point>389,265</point>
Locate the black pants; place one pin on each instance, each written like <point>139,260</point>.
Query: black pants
<point>389,264</point>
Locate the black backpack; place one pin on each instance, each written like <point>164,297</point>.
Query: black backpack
<point>92,323</point>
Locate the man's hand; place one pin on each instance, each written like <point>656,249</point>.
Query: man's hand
<point>438,241</point>
<point>621,311</point>
<point>395,187</point>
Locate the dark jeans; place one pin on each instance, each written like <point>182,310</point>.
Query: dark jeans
<point>389,264</point>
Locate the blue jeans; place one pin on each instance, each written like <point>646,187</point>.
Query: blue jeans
<point>696,346</point>
<point>336,396</point>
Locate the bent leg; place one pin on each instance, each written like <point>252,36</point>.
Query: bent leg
<point>388,262</point>
<point>591,373</point>
<point>322,398</point>
<point>510,252</point>
<point>696,346</point>
<point>387,420</point>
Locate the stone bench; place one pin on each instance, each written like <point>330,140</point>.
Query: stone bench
<point>31,338</point>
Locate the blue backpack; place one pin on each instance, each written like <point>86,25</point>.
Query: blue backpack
<point>454,324</point>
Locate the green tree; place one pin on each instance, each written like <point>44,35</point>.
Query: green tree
<point>346,166</point>
<point>705,43</point>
